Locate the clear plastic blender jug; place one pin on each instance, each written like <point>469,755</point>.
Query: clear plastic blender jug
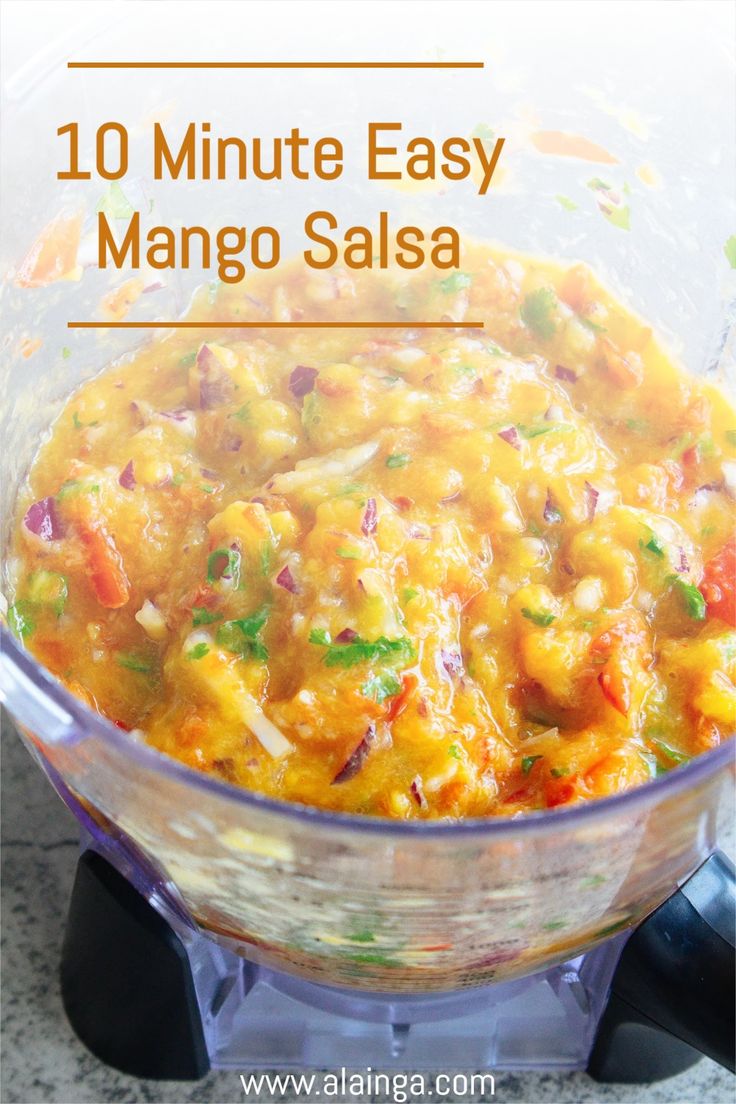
<point>445,906</point>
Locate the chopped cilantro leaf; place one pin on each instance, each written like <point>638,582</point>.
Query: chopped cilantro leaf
<point>484,132</point>
<point>114,203</point>
<point>348,553</point>
<point>352,488</point>
<point>528,762</point>
<point>202,616</point>
<point>46,588</point>
<point>134,662</point>
<point>530,431</point>
<point>224,563</point>
<point>591,325</point>
<point>653,545</point>
<point>672,754</point>
<point>188,360</point>
<point>199,651</point>
<point>69,487</point>
<point>610,203</point>
<point>730,250</point>
<point>374,959</point>
<point>380,687</point>
<point>359,650</point>
<point>243,414</point>
<point>539,617</point>
<point>593,881</point>
<point>362,937</point>
<point>398,460</point>
<point>265,553</point>
<point>537,312</point>
<point>20,619</point>
<point>241,636</point>
<point>454,751</point>
<point>456,282</point>
<point>692,599</point>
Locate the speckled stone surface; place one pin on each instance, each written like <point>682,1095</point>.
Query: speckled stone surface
<point>42,1061</point>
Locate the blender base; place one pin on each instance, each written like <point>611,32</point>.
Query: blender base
<point>156,999</point>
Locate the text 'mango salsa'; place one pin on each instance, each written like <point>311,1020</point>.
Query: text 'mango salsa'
<point>411,573</point>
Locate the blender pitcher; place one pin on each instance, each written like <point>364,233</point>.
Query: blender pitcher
<point>215,896</point>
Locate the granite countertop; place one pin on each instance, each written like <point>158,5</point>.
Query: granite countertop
<point>42,1061</point>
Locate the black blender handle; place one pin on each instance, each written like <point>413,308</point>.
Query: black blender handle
<point>675,984</point>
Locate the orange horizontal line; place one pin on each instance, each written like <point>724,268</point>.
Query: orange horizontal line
<point>97,325</point>
<point>275,64</point>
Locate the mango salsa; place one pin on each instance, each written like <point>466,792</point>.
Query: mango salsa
<point>407,572</point>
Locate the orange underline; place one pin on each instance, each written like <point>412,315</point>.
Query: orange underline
<point>275,64</point>
<point>275,325</point>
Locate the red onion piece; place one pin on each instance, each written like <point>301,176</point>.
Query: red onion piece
<point>452,662</point>
<point>417,533</point>
<point>418,793</point>
<point>450,498</point>
<point>346,636</point>
<point>180,415</point>
<point>42,518</point>
<point>370,518</point>
<point>511,437</point>
<point>213,392</point>
<point>714,486</point>
<point>286,580</point>
<point>591,499</point>
<point>564,373</point>
<point>356,760</point>
<point>684,564</point>
<point>551,512</point>
<point>127,478</point>
<point>215,385</point>
<point>301,380</point>
<point>232,444</point>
